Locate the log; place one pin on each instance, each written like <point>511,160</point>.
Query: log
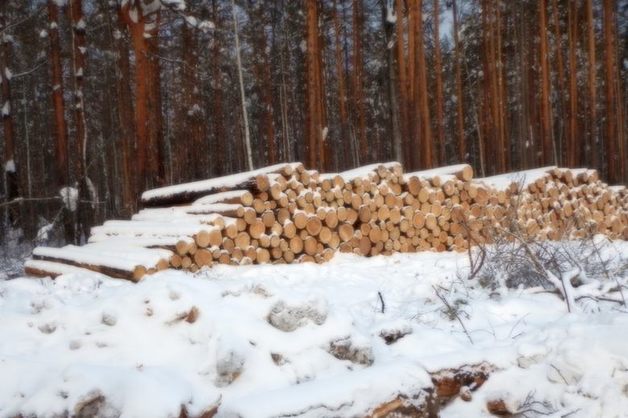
<point>239,197</point>
<point>147,229</point>
<point>203,258</point>
<point>41,268</point>
<point>189,192</point>
<point>131,264</point>
<point>230,210</point>
<point>207,238</point>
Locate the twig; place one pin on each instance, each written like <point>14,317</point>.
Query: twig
<point>19,22</point>
<point>53,223</point>
<point>454,312</point>
<point>601,298</point>
<point>19,200</point>
<point>559,283</point>
<point>474,265</point>
<point>559,373</point>
<point>599,255</point>
<point>32,70</point>
<point>381,299</point>
<point>515,326</point>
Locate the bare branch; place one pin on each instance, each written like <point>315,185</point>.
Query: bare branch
<point>32,70</point>
<point>21,21</point>
<point>454,312</point>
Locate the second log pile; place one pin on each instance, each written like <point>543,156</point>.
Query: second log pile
<point>285,213</point>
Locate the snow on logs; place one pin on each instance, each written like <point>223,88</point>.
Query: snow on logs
<point>255,179</point>
<point>121,262</point>
<point>285,214</point>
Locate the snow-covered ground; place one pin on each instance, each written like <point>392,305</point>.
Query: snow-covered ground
<point>304,340</point>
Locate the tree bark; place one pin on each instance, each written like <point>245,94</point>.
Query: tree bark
<point>504,142</point>
<point>218,126</point>
<point>9,167</point>
<point>560,91</point>
<point>358,79</point>
<point>592,137</point>
<point>85,210</point>
<point>245,116</point>
<point>414,122</point>
<point>548,156</point>
<point>613,138</point>
<point>126,120</point>
<point>393,105</point>
<point>143,26</point>
<point>194,116</point>
<point>78,66</point>
<point>427,157</point>
<point>342,88</point>
<point>438,70</point>
<point>573,150</point>
<point>61,131</point>
<point>266,86</point>
<point>489,117</point>
<point>402,86</point>
<point>462,149</point>
<point>314,131</point>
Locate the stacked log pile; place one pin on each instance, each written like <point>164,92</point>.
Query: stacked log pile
<point>558,203</point>
<point>285,214</point>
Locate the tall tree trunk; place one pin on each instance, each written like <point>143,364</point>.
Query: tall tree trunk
<point>61,131</point>
<point>195,127</point>
<point>423,97</point>
<point>548,156</point>
<point>493,114</point>
<point>389,19</point>
<point>528,155</point>
<point>592,137</point>
<point>342,88</point>
<point>438,69</point>
<point>462,149</point>
<point>622,116</point>
<point>613,138</point>
<point>535,150</point>
<point>314,131</point>
<point>358,79</point>
<point>283,92</point>
<point>78,69</point>
<point>245,116</point>
<point>126,122</point>
<point>402,87</point>
<point>573,150</point>
<point>504,142</point>
<point>140,50</point>
<point>488,118</point>
<point>156,159</point>
<point>267,97</point>
<point>324,148</point>
<point>218,126</point>
<point>84,208</point>
<point>560,91</point>
<point>143,26</point>
<point>9,168</point>
<point>414,122</point>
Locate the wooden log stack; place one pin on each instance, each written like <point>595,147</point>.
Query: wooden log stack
<point>285,214</point>
<point>558,203</point>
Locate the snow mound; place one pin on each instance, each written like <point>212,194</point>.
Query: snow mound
<point>301,340</point>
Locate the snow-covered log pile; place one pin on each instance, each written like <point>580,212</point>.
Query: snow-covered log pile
<point>556,203</point>
<point>285,213</point>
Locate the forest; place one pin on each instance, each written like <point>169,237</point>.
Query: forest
<point>102,99</point>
